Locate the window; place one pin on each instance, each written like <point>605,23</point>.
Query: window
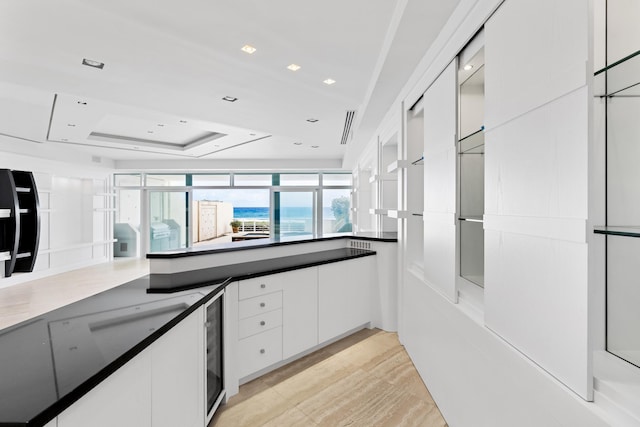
<point>287,179</point>
<point>336,210</point>
<point>177,180</point>
<point>252,180</point>
<point>336,179</point>
<point>127,180</point>
<point>209,208</point>
<point>211,180</point>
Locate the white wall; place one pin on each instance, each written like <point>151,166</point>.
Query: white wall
<point>73,216</point>
<point>525,360</point>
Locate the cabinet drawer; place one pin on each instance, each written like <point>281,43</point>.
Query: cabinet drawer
<point>259,286</point>
<point>261,304</point>
<point>259,351</point>
<point>260,323</point>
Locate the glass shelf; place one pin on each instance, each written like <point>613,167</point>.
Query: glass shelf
<point>398,164</point>
<point>399,214</point>
<point>473,143</point>
<point>418,162</point>
<point>620,230</point>
<point>471,218</point>
<point>619,79</point>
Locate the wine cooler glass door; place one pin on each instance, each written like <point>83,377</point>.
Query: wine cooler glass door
<point>214,351</point>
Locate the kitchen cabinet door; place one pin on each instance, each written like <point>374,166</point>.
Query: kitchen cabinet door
<point>177,368</point>
<point>344,296</point>
<point>299,311</point>
<point>123,399</point>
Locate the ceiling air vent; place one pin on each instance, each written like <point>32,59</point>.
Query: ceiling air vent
<point>348,121</point>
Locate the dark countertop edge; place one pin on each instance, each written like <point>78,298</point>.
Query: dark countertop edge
<point>77,393</point>
<point>170,290</point>
<point>182,254</point>
<point>376,239</point>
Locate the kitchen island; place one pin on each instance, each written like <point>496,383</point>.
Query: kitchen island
<point>53,363</point>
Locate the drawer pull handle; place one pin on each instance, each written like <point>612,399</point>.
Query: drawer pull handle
<point>262,286</point>
<point>262,351</point>
<point>262,304</point>
<point>262,323</point>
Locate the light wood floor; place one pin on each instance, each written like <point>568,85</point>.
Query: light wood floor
<point>364,380</point>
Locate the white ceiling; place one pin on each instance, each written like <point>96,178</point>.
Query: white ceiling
<point>168,64</point>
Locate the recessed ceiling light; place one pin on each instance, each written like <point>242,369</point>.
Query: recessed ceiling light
<point>82,103</point>
<point>293,67</point>
<point>248,49</point>
<point>312,120</point>
<point>149,131</point>
<point>468,67</point>
<point>136,148</point>
<point>230,99</point>
<point>216,145</point>
<point>297,143</point>
<point>65,139</point>
<point>92,63</point>
<point>328,81</point>
<point>315,146</point>
<point>160,125</point>
<point>71,125</point>
<point>183,121</point>
<point>252,134</point>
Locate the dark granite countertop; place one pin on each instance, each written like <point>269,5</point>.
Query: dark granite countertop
<point>262,243</point>
<point>49,362</point>
<point>163,283</point>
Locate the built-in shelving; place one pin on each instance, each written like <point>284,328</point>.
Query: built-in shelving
<point>471,171</point>
<point>626,231</point>
<point>397,165</point>
<point>383,177</point>
<point>621,81</point>
<point>393,213</point>
<point>471,218</point>
<point>377,211</point>
<point>473,143</point>
<point>418,162</point>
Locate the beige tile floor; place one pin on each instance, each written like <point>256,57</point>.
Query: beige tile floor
<point>364,380</point>
<point>24,301</point>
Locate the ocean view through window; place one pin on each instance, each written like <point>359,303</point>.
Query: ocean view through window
<point>229,207</point>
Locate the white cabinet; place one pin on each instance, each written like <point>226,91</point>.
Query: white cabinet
<point>343,296</point>
<point>161,386</point>
<point>281,316</point>
<point>259,323</point>
<point>260,286</point>
<point>177,375</point>
<point>277,318</point>
<point>300,311</point>
<point>259,351</point>
<point>259,305</point>
<point>123,399</point>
